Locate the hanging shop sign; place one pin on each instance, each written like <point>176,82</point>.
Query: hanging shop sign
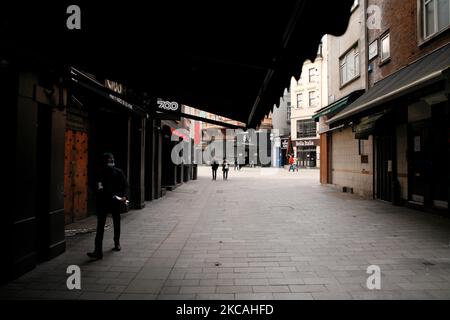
<point>171,106</point>
<point>284,143</point>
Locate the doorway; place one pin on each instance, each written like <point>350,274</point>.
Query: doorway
<point>419,163</point>
<point>384,165</point>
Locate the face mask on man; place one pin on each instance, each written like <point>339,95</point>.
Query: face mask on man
<point>110,164</point>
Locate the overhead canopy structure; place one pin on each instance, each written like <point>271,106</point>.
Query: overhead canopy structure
<point>417,75</point>
<point>232,58</point>
<point>337,106</point>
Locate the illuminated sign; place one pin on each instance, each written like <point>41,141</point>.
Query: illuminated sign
<point>114,86</point>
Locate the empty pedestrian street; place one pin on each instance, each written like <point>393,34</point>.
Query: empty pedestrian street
<point>263,234</point>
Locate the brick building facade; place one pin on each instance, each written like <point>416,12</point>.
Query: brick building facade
<point>398,128</point>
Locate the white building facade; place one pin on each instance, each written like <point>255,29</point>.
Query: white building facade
<point>308,95</point>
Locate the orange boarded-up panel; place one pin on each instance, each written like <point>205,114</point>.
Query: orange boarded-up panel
<point>68,174</point>
<point>80,178</point>
<point>75,176</point>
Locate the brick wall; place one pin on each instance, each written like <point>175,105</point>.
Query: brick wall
<point>401,19</point>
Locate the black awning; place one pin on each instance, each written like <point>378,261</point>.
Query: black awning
<point>367,126</point>
<point>233,58</point>
<point>94,86</point>
<point>417,75</point>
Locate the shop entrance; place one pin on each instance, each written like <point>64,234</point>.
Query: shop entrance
<point>307,158</point>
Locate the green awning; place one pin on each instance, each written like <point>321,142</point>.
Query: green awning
<point>338,105</point>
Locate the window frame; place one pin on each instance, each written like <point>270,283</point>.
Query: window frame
<point>300,105</point>
<point>343,62</point>
<point>310,126</point>
<point>374,43</point>
<point>313,92</point>
<point>423,15</point>
<point>311,75</point>
<point>383,59</point>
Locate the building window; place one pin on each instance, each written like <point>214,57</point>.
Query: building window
<point>373,50</point>
<point>299,100</point>
<point>312,99</point>
<point>385,47</point>
<point>436,16</point>
<point>312,75</point>
<point>306,129</point>
<point>349,66</point>
<point>288,111</point>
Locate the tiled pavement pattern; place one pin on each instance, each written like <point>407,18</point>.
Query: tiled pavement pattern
<point>263,234</point>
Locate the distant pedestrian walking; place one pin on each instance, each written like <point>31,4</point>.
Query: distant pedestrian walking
<point>236,165</point>
<point>214,167</point>
<point>225,169</point>
<point>291,163</point>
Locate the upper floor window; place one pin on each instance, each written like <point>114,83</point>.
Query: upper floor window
<point>299,100</point>
<point>385,47</point>
<point>349,66</point>
<point>306,129</point>
<point>312,75</point>
<point>312,98</point>
<point>436,16</point>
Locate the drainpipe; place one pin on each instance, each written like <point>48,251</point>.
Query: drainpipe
<point>366,66</point>
<point>366,43</point>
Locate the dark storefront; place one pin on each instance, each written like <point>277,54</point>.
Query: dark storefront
<point>307,153</point>
<point>407,113</point>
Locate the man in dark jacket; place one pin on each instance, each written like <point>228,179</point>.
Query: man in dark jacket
<point>112,192</point>
<point>214,167</point>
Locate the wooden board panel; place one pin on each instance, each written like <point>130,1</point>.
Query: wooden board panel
<point>75,176</point>
<point>68,171</point>
<point>80,175</point>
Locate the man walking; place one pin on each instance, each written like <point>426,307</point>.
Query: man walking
<point>214,167</point>
<point>112,191</point>
<point>225,168</point>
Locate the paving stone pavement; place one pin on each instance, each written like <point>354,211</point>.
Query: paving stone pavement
<point>263,234</point>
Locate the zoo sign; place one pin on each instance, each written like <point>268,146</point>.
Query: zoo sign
<point>168,105</point>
